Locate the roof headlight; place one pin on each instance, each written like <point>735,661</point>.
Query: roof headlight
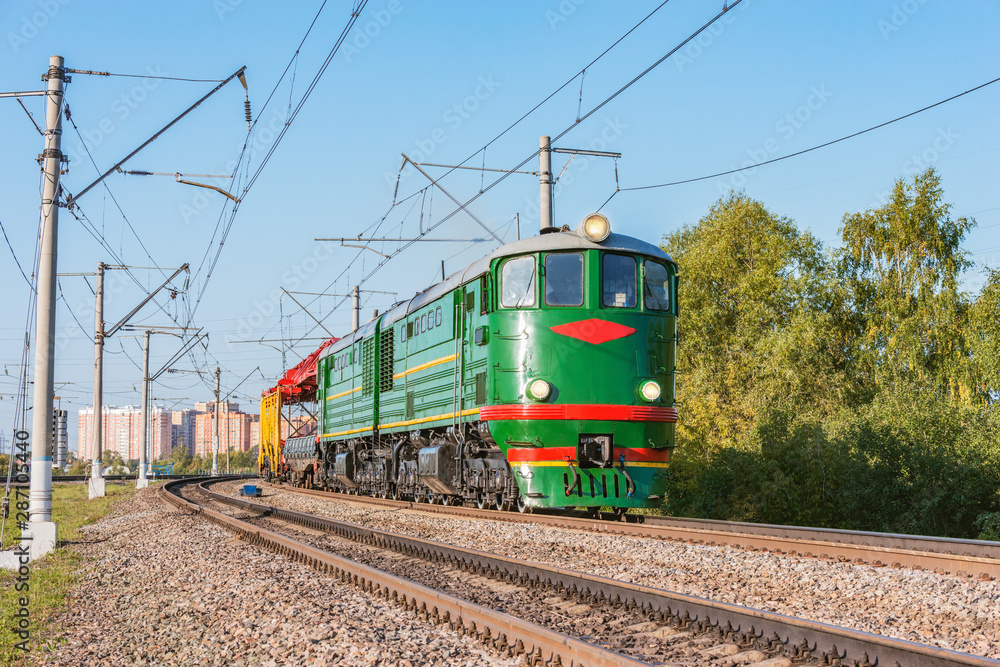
<point>539,389</point>
<point>596,227</point>
<point>650,390</point>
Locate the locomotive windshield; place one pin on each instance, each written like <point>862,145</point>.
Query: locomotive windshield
<point>564,279</point>
<point>618,280</point>
<point>517,283</point>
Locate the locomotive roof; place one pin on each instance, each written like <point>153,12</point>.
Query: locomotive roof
<point>564,239</point>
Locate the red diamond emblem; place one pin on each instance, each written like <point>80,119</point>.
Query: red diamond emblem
<point>594,330</point>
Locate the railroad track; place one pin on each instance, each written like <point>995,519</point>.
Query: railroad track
<point>645,625</point>
<point>970,558</point>
<point>505,633</point>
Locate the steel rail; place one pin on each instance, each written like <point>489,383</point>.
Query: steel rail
<point>874,554</point>
<point>796,635</point>
<point>927,543</point>
<point>56,479</point>
<point>502,631</point>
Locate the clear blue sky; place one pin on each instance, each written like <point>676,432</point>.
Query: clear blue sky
<point>439,80</point>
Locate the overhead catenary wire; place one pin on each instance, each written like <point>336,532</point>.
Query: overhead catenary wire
<point>128,222</point>
<point>814,148</point>
<point>16,260</point>
<point>355,13</point>
<point>146,76</point>
<point>21,399</point>
<point>483,190</point>
<point>505,131</point>
<point>558,136</point>
<point>360,254</point>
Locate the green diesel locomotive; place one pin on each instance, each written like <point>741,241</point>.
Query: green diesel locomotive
<point>540,376</point>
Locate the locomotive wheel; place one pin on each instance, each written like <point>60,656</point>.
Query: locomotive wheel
<point>481,501</point>
<point>522,506</point>
<point>501,503</point>
<point>395,492</point>
<point>620,512</point>
<point>594,512</point>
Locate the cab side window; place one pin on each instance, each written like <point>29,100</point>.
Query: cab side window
<point>655,286</point>
<point>618,281</point>
<point>517,283</point>
<point>564,279</point>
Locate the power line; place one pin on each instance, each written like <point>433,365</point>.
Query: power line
<point>151,76</point>
<point>15,257</point>
<point>63,297</point>
<point>569,129</point>
<point>355,13</point>
<point>580,75</point>
<point>814,148</point>
<point>379,222</point>
<point>578,120</point>
<point>69,117</point>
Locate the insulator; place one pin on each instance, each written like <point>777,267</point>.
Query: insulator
<point>246,108</point>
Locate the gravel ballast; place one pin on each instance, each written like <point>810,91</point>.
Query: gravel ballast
<point>957,613</point>
<point>161,587</point>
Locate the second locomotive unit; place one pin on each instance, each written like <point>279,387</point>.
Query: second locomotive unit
<point>540,376</point>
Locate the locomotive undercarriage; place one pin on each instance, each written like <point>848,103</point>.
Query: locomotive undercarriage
<point>432,466</point>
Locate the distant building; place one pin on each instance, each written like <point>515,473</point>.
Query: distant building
<point>255,433</point>
<point>121,429</point>
<point>209,406</point>
<point>182,429</point>
<point>234,430</point>
<point>192,429</point>
<point>300,425</point>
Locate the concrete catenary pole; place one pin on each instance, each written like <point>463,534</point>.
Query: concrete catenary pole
<point>546,205</point>
<point>140,481</point>
<point>218,418</point>
<point>96,484</point>
<point>42,530</point>
<point>356,303</point>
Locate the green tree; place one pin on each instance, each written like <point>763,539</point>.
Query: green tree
<point>239,459</point>
<point>181,458</point>
<point>756,301</point>
<point>984,339</point>
<point>857,393</point>
<point>902,263</point>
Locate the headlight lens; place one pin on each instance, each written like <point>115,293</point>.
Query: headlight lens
<point>596,227</point>
<point>650,390</point>
<point>539,390</point>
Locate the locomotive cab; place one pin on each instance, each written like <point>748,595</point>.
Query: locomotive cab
<point>541,374</point>
<point>584,350</point>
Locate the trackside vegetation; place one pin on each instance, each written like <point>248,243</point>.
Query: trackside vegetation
<point>854,387</point>
<point>52,577</point>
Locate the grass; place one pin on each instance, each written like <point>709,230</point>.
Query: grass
<point>52,577</point>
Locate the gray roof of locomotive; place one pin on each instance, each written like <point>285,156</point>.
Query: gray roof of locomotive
<point>563,240</point>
